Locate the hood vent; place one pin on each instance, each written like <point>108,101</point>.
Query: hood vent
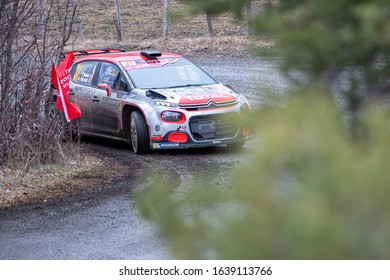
<point>155,95</point>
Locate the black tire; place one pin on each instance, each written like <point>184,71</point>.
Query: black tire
<point>74,127</point>
<point>57,122</point>
<point>139,134</point>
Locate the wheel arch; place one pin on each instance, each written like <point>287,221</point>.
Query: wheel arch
<point>126,113</point>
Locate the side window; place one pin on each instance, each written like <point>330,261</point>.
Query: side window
<point>123,86</point>
<point>111,75</point>
<point>83,72</point>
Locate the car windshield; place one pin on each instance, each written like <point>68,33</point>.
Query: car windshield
<point>169,73</point>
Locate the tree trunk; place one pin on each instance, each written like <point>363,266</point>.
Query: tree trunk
<point>166,10</point>
<point>249,18</point>
<point>41,23</point>
<point>67,27</point>
<point>78,21</point>
<point>118,23</point>
<point>210,24</point>
<point>9,29</point>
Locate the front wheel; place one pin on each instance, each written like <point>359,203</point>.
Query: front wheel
<point>139,133</point>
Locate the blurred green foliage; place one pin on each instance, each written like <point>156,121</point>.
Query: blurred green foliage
<point>333,37</point>
<point>324,40</point>
<point>215,7</point>
<point>309,191</point>
<point>313,188</point>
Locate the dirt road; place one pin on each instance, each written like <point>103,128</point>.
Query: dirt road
<point>105,224</point>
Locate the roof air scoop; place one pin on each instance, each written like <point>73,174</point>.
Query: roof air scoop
<point>151,54</point>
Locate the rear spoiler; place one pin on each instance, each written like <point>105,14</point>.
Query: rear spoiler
<point>95,51</point>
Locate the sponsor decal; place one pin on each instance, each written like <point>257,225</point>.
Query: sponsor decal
<point>157,137</point>
<point>138,64</point>
<point>206,125</point>
<point>168,145</point>
<point>85,78</point>
<point>206,98</point>
<point>83,102</point>
<point>110,102</point>
<point>83,92</point>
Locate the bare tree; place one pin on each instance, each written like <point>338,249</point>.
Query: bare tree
<point>61,23</point>
<point>77,19</point>
<point>210,24</point>
<point>166,11</point>
<point>118,23</point>
<point>27,136</point>
<point>41,23</point>
<point>249,17</point>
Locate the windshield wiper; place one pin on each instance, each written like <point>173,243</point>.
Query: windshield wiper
<point>187,85</point>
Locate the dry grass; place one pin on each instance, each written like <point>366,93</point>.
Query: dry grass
<point>191,47</point>
<point>42,184</point>
<point>142,28</point>
<point>143,20</point>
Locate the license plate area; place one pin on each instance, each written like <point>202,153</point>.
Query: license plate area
<point>214,126</point>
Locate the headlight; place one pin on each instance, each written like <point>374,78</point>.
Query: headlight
<point>244,109</point>
<point>171,116</point>
<point>244,105</point>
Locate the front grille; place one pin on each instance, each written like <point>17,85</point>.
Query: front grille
<point>208,105</point>
<point>214,126</point>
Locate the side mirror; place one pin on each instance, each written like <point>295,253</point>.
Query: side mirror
<point>106,87</point>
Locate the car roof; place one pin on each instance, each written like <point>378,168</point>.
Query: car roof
<point>116,55</point>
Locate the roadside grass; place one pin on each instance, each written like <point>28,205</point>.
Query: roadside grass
<point>143,20</point>
<point>40,184</point>
<point>142,28</point>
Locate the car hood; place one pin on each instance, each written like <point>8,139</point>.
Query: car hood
<point>199,95</point>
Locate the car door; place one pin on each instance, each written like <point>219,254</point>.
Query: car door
<point>106,113</point>
<point>82,90</point>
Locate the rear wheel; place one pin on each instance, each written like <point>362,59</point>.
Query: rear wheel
<point>60,127</point>
<point>57,123</point>
<point>139,133</point>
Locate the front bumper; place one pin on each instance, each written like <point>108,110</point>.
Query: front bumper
<point>166,144</point>
<point>199,128</point>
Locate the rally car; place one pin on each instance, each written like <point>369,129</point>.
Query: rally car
<point>154,101</point>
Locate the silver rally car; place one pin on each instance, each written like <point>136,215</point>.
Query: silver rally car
<point>154,101</point>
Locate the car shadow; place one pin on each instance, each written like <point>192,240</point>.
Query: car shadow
<point>122,146</point>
